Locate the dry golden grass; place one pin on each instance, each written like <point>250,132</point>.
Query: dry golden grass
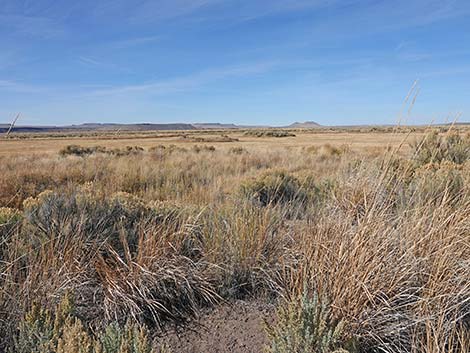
<point>357,140</point>
<point>375,223</point>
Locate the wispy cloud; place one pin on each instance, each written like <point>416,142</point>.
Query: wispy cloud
<point>20,87</point>
<point>89,61</point>
<point>400,12</point>
<point>387,15</point>
<point>151,11</point>
<point>49,20</point>
<point>154,11</point>
<point>257,9</point>
<point>147,11</point>
<point>94,63</point>
<point>31,26</point>
<point>458,70</point>
<point>130,42</point>
<point>188,82</point>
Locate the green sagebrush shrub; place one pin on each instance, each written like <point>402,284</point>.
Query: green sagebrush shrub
<point>273,188</point>
<point>237,150</point>
<point>203,148</point>
<point>306,325</point>
<point>9,215</point>
<point>269,133</point>
<point>436,148</point>
<point>81,151</point>
<point>96,219</point>
<point>433,182</point>
<point>43,331</point>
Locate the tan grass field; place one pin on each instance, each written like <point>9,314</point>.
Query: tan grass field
<point>356,140</point>
<point>324,242</point>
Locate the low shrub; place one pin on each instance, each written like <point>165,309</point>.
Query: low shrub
<point>306,325</point>
<point>327,150</point>
<point>61,331</point>
<point>436,148</point>
<point>76,150</point>
<point>128,150</point>
<point>167,150</point>
<point>432,183</point>
<point>237,150</point>
<point>53,215</point>
<point>9,215</point>
<point>269,133</point>
<point>221,138</point>
<point>274,188</point>
<point>203,148</point>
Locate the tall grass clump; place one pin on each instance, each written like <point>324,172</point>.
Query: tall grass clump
<point>9,221</point>
<point>248,244</point>
<point>393,274</point>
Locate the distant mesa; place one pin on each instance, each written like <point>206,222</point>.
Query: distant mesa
<point>148,127</point>
<point>304,125</point>
<point>215,126</point>
<point>132,127</point>
<point>99,127</point>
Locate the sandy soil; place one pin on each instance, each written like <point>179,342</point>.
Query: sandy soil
<point>232,328</point>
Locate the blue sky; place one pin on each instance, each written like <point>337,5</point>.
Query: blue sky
<point>249,62</point>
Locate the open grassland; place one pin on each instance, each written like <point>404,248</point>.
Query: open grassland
<point>355,139</point>
<point>347,241</point>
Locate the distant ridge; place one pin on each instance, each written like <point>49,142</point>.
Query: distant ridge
<point>133,127</point>
<point>126,127</point>
<point>304,125</point>
<point>99,127</point>
<point>204,126</point>
<point>215,126</point>
<point>177,126</point>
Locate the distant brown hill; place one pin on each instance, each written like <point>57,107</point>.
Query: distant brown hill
<point>304,125</point>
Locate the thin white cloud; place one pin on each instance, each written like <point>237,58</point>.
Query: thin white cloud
<point>253,10</point>
<point>130,42</point>
<point>31,26</point>
<point>19,87</point>
<point>151,11</point>
<point>92,62</point>
<point>89,61</point>
<point>49,19</point>
<point>188,82</point>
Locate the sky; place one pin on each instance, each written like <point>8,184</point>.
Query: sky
<point>273,62</point>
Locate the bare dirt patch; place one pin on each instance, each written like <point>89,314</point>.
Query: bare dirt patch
<point>237,327</point>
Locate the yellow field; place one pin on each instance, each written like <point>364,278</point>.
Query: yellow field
<point>355,140</point>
